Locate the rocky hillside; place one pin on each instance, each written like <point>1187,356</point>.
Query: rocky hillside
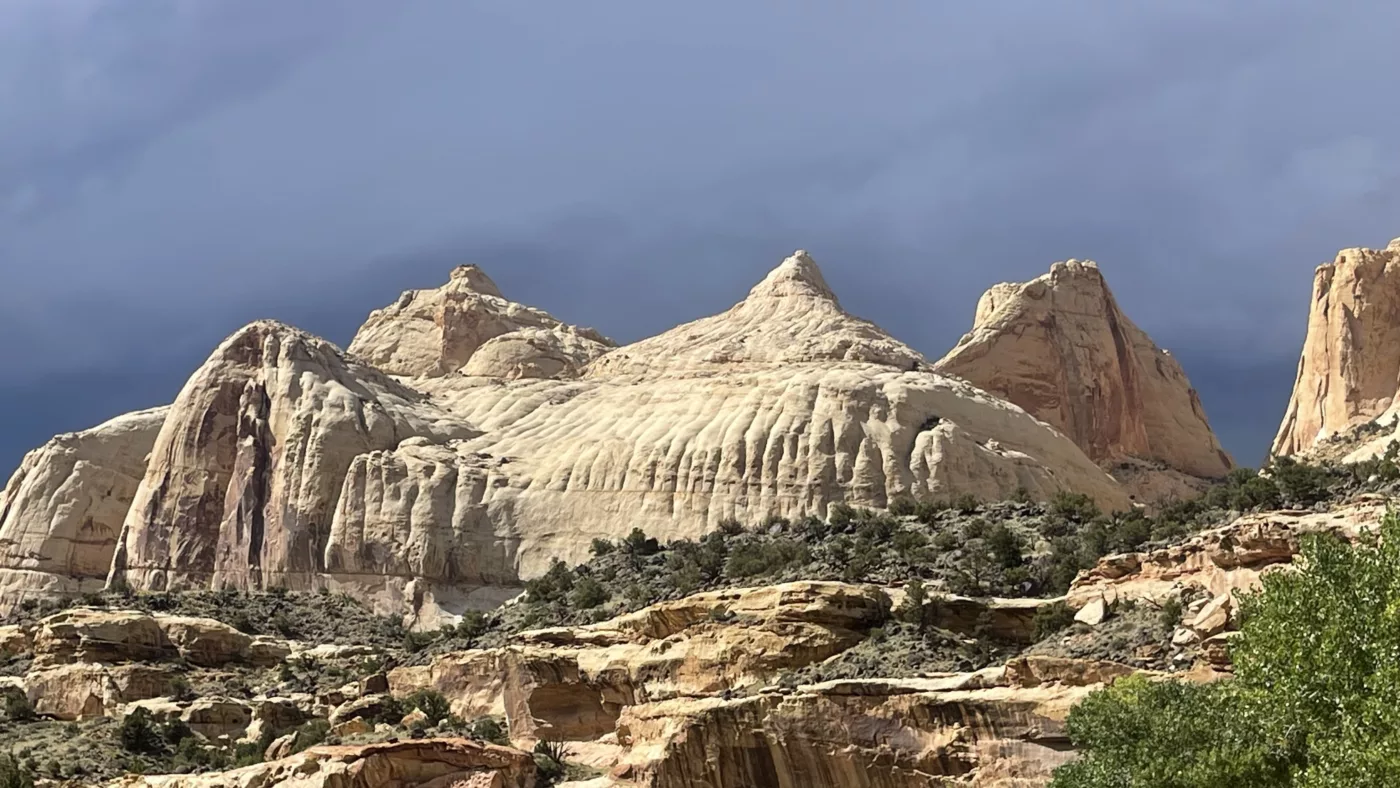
<point>771,547</point>
<point>941,649</point>
<point>466,441</point>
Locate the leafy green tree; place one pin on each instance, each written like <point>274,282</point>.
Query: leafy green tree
<point>1146,734</point>
<point>139,733</point>
<point>1316,698</point>
<point>13,774</point>
<point>588,594</point>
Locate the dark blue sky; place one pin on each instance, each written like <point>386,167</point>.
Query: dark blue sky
<point>171,170</point>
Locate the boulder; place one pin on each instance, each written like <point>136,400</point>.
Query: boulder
<point>1214,617</point>
<point>1094,613</point>
<point>370,707</point>
<point>15,641</point>
<point>218,718</point>
<point>1060,347</point>
<point>357,726</point>
<point>206,642</point>
<point>90,691</point>
<point>90,635</point>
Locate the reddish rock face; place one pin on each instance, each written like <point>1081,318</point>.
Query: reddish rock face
<point>1060,347</point>
<point>1349,372</point>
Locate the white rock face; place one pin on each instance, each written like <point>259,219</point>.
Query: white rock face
<point>284,462</point>
<point>1349,373</point>
<point>781,406</point>
<point>245,474</point>
<point>1060,347</point>
<point>436,332</point>
<point>63,508</point>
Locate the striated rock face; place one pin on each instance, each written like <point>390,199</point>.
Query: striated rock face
<point>247,469</point>
<point>878,734</point>
<point>408,764</point>
<point>287,463</point>
<point>62,511</point>
<point>791,317</point>
<point>683,694</point>
<point>1060,347</point>
<point>436,332</point>
<point>781,406</point>
<point>572,683</point>
<point>1349,373</point>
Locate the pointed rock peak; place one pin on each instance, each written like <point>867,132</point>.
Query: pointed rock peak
<point>470,277</point>
<point>1043,344</point>
<point>799,276</point>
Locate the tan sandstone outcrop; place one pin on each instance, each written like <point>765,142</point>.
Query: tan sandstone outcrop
<point>440,763</point>
<point>246,472</point>
<point>85,691</point>
<point>1222,560</point>
<point>63,508</point>
<point>885,734</point>
<point>572,683</point>
<point>1349,373</point>
<point>437,332</point>
<point>1060,347</point>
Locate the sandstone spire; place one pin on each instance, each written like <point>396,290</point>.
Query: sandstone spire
<point>1349,373</point>
<point>1060,347</point>
<point>437,332</point>
<point>791,317</point>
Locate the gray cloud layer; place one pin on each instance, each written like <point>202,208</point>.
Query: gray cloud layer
<point>170,170</point>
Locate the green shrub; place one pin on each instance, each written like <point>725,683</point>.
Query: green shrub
<point>310,735</point>
<point>903,506</point>
<point>588,594</point>
<point>600,547</point>
<point>840,515</point>
<point>1171,613</point>
<point>967,503</point>
<point>549,761</point>
<point>138,733</point>
<point>489,729</point>
<point>757,558</point>
<point>1075,507</point>
<point>18,708</point>
<point>1052,619</point>
<point>13,774</point>
<point>431,702</point>
<point>1315,701</point>
<point>1004,546</point>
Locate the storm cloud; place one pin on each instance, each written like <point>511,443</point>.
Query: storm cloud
<point>171,170</point>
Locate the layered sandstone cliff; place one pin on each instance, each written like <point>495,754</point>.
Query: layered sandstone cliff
<point>285,462</point>
<point>1060,347</point>
<point>63,508</point>
<point>436,332</point>
<point>246,471</point>
<point>1349,373</point>
<point>783,405</point>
